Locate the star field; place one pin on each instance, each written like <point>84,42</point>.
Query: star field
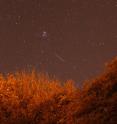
<point>66,38</point>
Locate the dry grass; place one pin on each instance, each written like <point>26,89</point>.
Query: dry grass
<point>32,98</point>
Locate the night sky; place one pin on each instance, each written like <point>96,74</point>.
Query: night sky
<point>71,39</point>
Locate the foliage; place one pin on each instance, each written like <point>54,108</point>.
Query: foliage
<point>32,98</point>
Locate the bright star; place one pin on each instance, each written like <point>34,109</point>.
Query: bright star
<point>44,34</point>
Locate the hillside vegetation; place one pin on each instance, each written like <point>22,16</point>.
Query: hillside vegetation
<point>32,98</point>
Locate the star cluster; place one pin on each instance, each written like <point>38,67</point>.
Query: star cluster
<point>65,38</point>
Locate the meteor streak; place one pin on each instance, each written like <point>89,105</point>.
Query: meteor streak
<point>59,57</point>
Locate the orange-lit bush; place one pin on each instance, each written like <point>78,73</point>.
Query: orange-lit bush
<point>32,98</point>
<point>22,95</point>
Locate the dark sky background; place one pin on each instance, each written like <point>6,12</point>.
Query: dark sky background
<point>66,38</point>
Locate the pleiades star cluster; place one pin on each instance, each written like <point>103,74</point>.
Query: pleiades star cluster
<point>71,39</point>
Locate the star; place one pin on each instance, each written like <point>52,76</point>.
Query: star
<point>44,34</point>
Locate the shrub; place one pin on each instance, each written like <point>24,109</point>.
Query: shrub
<point>35,98</point>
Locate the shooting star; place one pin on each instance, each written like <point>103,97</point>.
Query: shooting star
<point>59,57</point>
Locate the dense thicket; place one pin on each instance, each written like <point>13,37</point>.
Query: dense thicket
<point>31,98</point>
